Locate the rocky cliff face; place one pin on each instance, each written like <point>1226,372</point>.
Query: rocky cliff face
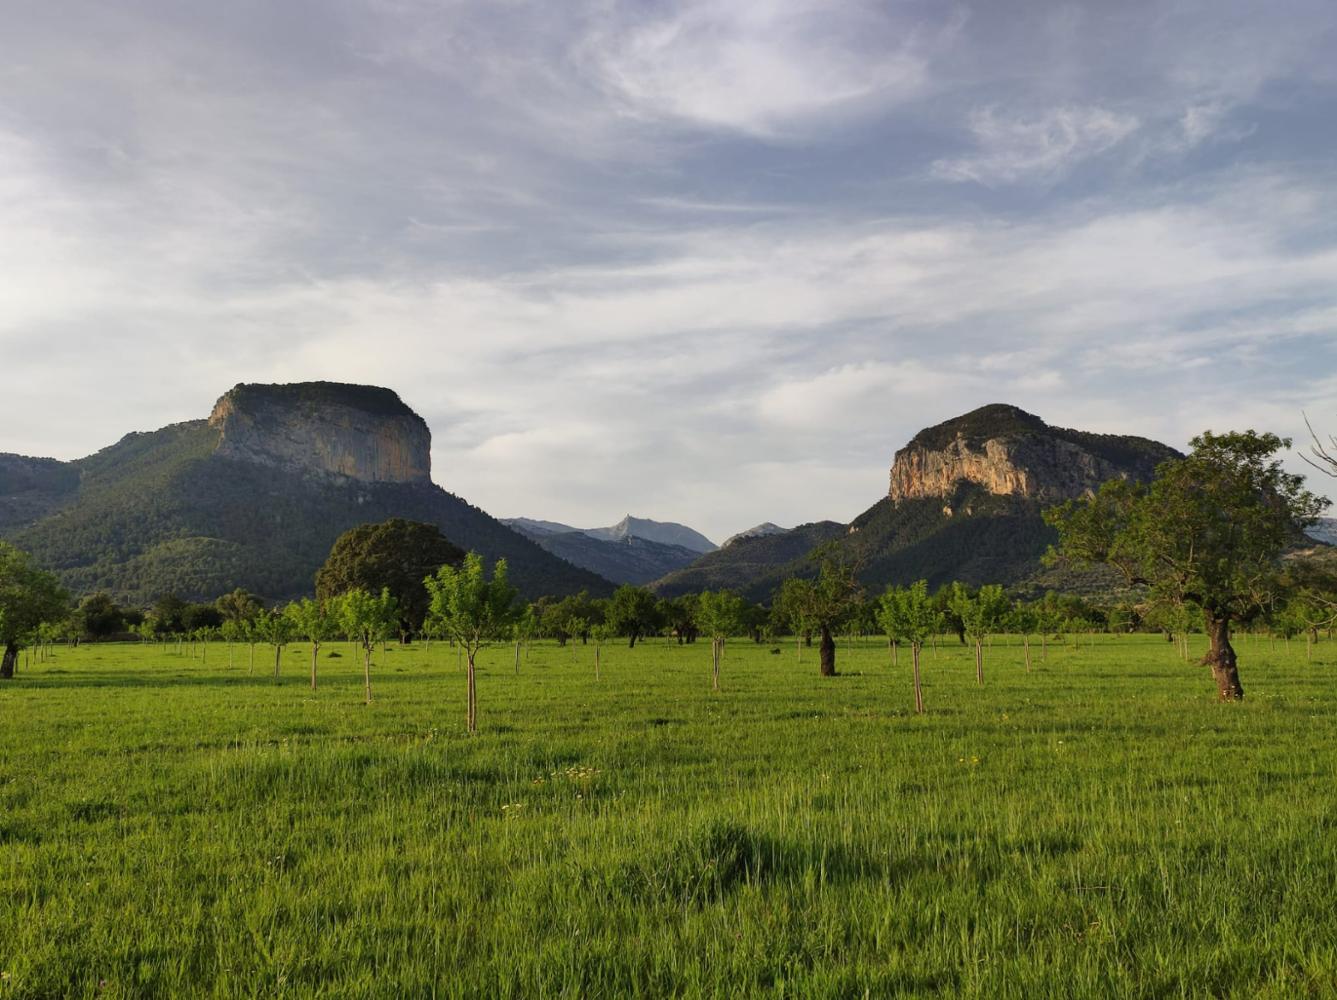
<point>325,429</point>
<point>1010,452</point>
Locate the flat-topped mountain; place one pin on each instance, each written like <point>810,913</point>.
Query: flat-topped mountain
<point>965,503</point>
<point>327,429</point>
<point>1009,452</point>
<point>253,497</point>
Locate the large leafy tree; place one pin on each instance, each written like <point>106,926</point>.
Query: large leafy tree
<point>474,611</point>
<point>395,555</point>
<point>29,597</point>
<point>631,612</point>
<point>1208,530</point>
<point>827,603</point>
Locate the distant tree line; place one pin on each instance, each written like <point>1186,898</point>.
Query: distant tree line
<point>1200,547</point>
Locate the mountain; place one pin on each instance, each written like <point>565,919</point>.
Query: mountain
<point>663,532</point>
<point>1324,531</point>
<point>623,553</point>
<point>759,531</point>
<point>252,497</point>
<point>753,566</point>
<point>965,502</point>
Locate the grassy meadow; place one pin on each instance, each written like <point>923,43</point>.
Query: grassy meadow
<point>1098,827</point>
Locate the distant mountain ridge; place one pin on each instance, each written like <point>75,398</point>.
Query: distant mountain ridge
<point>663,532</point>
<point>252,497</point>
<point>757,531</point>
<point>635,550</point>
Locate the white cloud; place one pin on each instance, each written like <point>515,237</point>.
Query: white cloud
<point>762,67</point>
<point>1041,147</point>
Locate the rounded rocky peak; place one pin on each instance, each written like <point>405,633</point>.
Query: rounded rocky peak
<point>332,429</point>
<point>994,420</point>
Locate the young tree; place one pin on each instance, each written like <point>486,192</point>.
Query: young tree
<point>28,597</point>
<point>790,611</point>
<point>316,621</point>
<point>1210,529</point>
<point>368,619</point>
<point>278,630</point>
<point>1024,620</point>
<point>719,614</point>
<point>980,616</point>
<point>474,611</point>
<point>909,613</point>
<point>599,634</point>
<point>526,624</point>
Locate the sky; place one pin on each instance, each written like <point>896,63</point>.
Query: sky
<point>702,262</point>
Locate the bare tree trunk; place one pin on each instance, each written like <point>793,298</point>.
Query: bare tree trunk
<point>827,653</point>
<point>919,691</point>
<point>1221,658</point>
<point>471,711</point>
<point>979,662</point>
<point>277,651</point>
<point>715,664</point>
<point>252,670</point>
<point>596,660</point>
<point>315,652</point>
<point>10,661</point>
<point>366,670</point>
<point>1026,645</point>
<point>798,644</point>
<point>517,658</point>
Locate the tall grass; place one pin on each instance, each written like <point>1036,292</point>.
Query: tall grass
<point>1097,827</point>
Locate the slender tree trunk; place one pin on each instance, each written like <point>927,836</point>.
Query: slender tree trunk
<point>278,650</point>
<point>798,645</point>
<point>827,653</point>
<point>979,662</point>
<point>596,660</point>
<point>1026,645</point>
<point>517,658</point>
<point>315,652</point>
<point>252,658</point>
<point>919,691</point>
<point>1221,658</point>
<point>471,711</point>
<point>366,670</point>
<point>10,661</point>
<point>715,664</point>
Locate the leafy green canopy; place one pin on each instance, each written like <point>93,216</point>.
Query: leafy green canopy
<point>396,555</point>
<point>470,608</point>
<point>909,614</point>
<point>1209,529</point>
<point>719,613</point>
<point>29,597</point>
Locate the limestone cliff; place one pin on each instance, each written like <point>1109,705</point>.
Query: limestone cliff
<point>325,429</point>
<point>1010,452</point>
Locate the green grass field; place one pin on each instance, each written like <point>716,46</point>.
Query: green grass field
<point>1098,827</point>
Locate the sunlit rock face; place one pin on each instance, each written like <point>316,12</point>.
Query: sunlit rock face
<point>325,429</point>
<point>1010,452</point>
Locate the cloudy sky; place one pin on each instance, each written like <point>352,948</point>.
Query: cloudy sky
<point>709,262</point>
